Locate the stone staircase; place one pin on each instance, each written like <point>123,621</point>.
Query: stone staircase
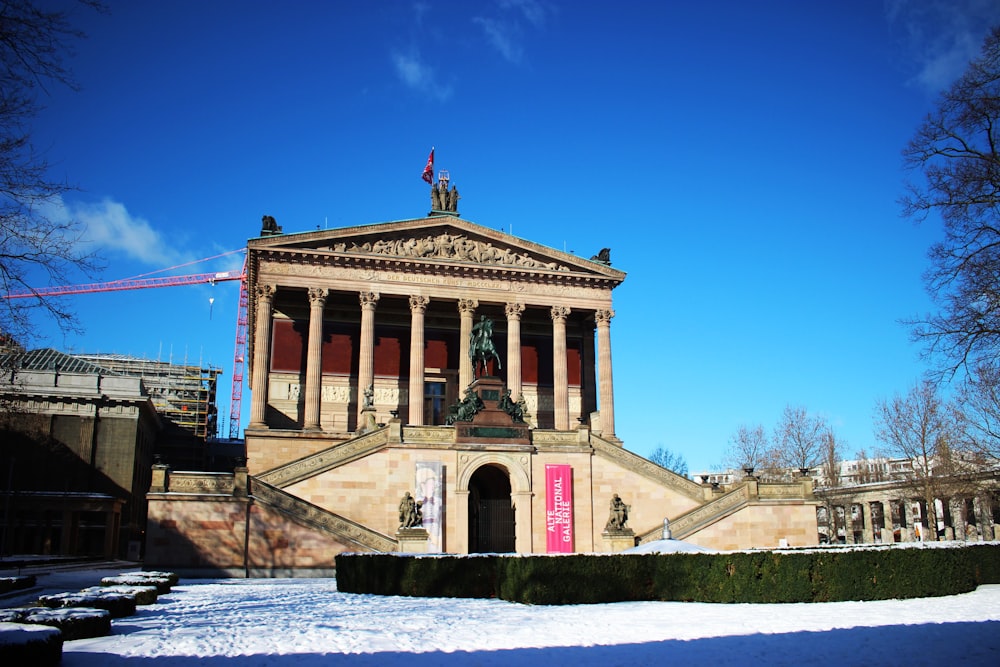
<point>304,512</point>
<point>647,468</point>
<point>267,489</point>
<point>326,459</point>
<point>700,517</point>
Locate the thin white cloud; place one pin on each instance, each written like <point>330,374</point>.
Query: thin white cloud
<point>506,33</point>
<point>940,37</point>
<point>108,227</point>
<point>503,36</point>
<point>419,76</point>
<point>535,12</point>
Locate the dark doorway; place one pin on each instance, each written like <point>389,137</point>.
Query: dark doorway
<point>491,513</point>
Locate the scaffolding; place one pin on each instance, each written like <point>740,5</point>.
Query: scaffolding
<point>184,395</point>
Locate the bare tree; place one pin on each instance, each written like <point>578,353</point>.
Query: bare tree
<point>799,438</point>
<point>749,448</point>
<point>833,455</point>
<point>665,458</point>
<point>920,427</point>
<point>979,419</point>
<point>37,243</point>
<point>956,152</point>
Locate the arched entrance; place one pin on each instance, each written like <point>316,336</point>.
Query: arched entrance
<point>491,512</point>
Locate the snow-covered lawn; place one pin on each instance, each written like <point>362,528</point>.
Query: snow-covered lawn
<point>307,623</point>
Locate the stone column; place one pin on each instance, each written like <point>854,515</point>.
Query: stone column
<point>849,523</point>
<point>314,359</point>
<point>261,355</point>
<point>466,310</point>
<point>560,376</point>
<point>366,362</point>
<point>867,530</point>
<point>980,506</point>
<point>514,311</point>
<point>606,383</point>
<point>418,306</point>
<point>588,354</point>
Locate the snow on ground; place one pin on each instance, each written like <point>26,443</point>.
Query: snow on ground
<point>307,623</point>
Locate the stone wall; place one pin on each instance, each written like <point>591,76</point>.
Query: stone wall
<point>206,535</point>
<point>761,526</point>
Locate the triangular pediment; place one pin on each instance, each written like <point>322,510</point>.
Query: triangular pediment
<point>440,240</point>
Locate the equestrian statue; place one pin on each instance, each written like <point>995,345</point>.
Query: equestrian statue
<point>481,348</point>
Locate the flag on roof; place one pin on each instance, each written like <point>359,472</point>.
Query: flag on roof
<point>429,169</point>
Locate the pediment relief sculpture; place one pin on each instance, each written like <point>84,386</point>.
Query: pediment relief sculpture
<point>455,247</point>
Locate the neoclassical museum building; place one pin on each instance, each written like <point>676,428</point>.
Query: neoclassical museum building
<point>366,389</point>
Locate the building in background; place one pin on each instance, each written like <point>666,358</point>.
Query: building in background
<point>80,434</point>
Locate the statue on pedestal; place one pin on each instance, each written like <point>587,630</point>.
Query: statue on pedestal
<point>619,515</point>
<point>410,515</point>
<point>481,348</point>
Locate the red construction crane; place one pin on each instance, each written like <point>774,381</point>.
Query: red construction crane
<point>127,284</point>
<point>236,397</point>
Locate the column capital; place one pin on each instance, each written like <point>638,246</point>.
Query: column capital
<point>368,299</point>
<point>418,303</point>
<point>603,315</point>
<point>265,291</point>
<point>468,306</point>
<point>560,313</point>
<point>317,295</point>
<point>514,310</point>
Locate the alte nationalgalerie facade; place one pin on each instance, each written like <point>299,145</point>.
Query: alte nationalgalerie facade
<point>359,355</point>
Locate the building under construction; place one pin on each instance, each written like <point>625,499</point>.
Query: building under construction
<point>184,395</point>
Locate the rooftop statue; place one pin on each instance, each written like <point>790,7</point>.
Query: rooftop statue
<point>603,257</point>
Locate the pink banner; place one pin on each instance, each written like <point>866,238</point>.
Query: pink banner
<point>559,509</point>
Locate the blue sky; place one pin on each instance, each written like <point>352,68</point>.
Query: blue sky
<point>740,159</point>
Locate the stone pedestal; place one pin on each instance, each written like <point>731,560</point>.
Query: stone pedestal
<point>618,540</point>
<point>159,481</point>
<point>491,425</point>
<point>412,540</point>
<point>367,422</point>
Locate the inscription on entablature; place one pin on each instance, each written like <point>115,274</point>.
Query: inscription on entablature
<point>409,279</point>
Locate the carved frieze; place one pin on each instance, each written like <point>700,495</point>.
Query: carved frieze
<point>206,484</point>
<point>779,490</point>
<point>451,247</point>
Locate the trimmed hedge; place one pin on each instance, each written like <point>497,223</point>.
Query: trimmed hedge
<point>820,575</point>
<point>74,623</point>
<point>11,584</point>
<point>162,584</point>
<point>391,574</point>
<point>144,595</point>
<point>119,605</point>
<point>25,644</point>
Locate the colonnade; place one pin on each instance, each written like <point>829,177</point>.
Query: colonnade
<point>907,520</point>
<point>368,301</point>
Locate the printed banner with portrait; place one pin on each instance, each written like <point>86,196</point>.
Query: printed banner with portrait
<point>430,495</point>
